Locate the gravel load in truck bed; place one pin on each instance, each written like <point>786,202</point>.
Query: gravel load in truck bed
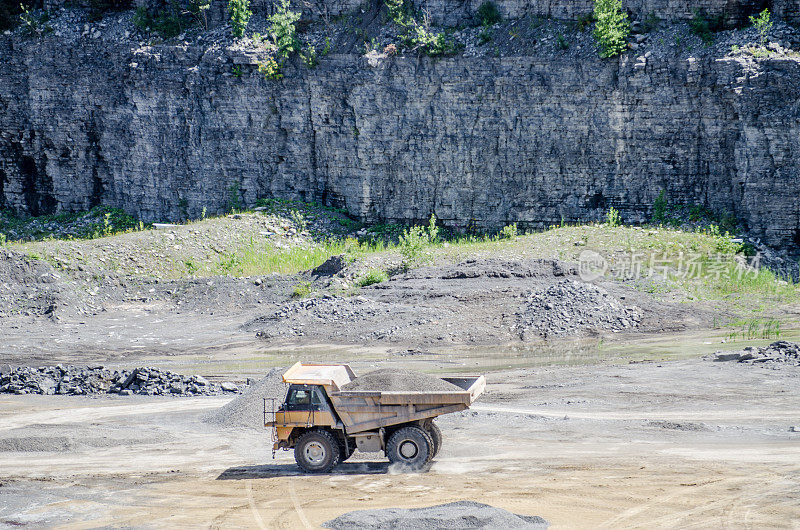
<point>247,410</point>
<point>396,380</point>
<point>451,516</point>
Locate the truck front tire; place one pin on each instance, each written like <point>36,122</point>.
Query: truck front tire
<point>410,446</point>
<point>317,452</point>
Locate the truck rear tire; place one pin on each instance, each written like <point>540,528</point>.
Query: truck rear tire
<point>317,452</point>
<point>410,446</point>
<point>435,433</point>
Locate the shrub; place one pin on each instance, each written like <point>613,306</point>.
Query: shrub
<point>141,18</point>
<point>97,8</point>
<point>585,20</point>
<point>612,217</point>
<point>9,14</point>
<point>488,14</point>
<point>271,69</point>
<point>167,22</point>
<point>309,57</point>
<point>198,9</point>
<point>412,243</point>
<point>417,35</point>
<point>397,11</point>
<point>32,23</point>
<point>650,22</point>
<point>283,30</point>
<point>561,42</point>
<point>612,27</point>
<point>660,207</point>
<point>302,290</point>
<point>372,277</point>
<point>763,24</point>
<point>239,11</point>
<point>509,231</point>
<point>298,220</point>
<point>420,37</point>
<point>704,26</point>
<point>484,36</point>
<point>234,197</point>
<point>415,239</point>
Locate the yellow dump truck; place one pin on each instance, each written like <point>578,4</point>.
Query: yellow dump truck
<point>325,423</point>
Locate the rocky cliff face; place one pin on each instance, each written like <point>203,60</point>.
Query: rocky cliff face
<point>165,131</point>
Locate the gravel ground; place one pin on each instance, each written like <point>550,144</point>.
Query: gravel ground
<point>68,438</point>
<point>392,379</point>
<point>451,516</point>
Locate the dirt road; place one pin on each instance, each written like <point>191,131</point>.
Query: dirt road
<point>686,443</point>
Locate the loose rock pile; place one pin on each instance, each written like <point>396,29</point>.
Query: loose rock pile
<point>72,380</point>
<point>454,515</point>
<point>571,307</point>
<point>778,352</point>
<point>391,379</point>
<point>247,410</point>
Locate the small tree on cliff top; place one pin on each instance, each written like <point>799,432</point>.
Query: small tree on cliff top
<point>612,27</point>
<point>239,11</point>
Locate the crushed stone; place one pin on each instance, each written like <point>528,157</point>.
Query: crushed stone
<point>76,380</point>
<point>397,380</point>
<point>780,351</point>
<point>247,410</point>
<point>572,307</point>
<point>452,516</point>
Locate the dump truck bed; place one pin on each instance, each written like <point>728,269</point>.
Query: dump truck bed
<point>365,410</point>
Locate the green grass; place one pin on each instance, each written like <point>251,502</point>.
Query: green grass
<point>263,258</point>
<point>754,328</point>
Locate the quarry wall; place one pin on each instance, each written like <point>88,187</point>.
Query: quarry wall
<point>166,131</point>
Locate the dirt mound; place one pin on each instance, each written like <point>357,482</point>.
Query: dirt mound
<point>27,286</point>
<point>573,307</point>
<point>778,352</point>
<point>390,379</point>
<point>247,410</point>
<point>475,302</point>
<point>454,515</point>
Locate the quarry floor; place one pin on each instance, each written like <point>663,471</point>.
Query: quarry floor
<point>683,443</point>
<point>590,426</point>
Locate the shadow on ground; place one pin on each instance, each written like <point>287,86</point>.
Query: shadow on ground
<point>291,470</point>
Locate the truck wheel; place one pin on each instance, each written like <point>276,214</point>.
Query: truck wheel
<point>411,446</point>
<point>317,452</point>
<point>435,433</point>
